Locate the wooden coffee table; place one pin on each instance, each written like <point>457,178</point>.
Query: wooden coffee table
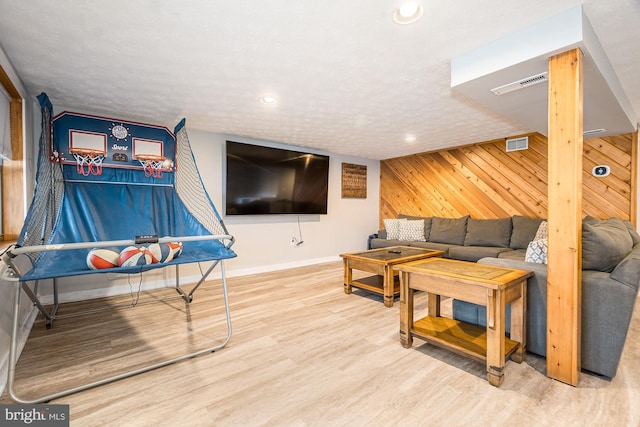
<point>493,287</point>
<point>381,262</point>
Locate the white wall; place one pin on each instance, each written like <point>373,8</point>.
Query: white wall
<point>263,242</point>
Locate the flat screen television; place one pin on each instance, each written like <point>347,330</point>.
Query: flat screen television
<point>265,180</point>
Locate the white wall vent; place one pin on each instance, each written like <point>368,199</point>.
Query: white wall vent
<point>520,84</point>
<point>593,131</point>
<point>516,144</point>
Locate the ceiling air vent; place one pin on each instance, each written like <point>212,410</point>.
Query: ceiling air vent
<point>520,84</point>
<point>593,131</point>
<point>516,144</point>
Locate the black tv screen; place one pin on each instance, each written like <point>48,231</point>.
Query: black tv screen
<point>265,180</point>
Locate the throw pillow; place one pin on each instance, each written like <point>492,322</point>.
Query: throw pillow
<point>536,251</point>
<point>411,230</point>
<point>524,231</point>
<point>542,232</point>
<point>488,232</point>
<point>393,228</point>
<point>448,230</point>
<point>604,244</point>
<point>427,223</point>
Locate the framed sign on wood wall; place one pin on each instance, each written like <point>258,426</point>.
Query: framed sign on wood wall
<point>354,181</point>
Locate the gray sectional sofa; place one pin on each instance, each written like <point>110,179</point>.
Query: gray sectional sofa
<point>610,276</point>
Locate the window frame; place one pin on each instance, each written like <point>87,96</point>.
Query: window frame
<point>12,170</point>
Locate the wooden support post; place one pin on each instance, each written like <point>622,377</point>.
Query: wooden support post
<point>564,293</point>
<point>633,209</point>
<point>12,170</point>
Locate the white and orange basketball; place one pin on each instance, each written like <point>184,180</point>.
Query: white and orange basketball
<point>134,255</point>
<point>161,252</point>
<point>98,259</point>
<point>176,248</point>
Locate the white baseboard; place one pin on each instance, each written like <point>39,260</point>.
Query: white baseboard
<point>276,267</point>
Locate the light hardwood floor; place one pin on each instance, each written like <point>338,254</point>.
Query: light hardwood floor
<point>302,353</point>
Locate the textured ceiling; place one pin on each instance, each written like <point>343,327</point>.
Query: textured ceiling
<point>349,80</point>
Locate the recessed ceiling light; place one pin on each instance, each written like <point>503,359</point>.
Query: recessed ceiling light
<point>410,138</point>
<point>408,13</point>
<point>269,100</point>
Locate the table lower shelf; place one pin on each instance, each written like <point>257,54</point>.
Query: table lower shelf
<point>376,284</point>
<point>460,337</point>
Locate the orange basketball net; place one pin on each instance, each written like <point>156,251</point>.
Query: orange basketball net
<point>88,162</point>
<point>153,165</point>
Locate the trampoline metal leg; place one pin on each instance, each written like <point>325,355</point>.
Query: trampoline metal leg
<point>36,301</point>
<point>13,355</point>
<point>204,277</point>
<point>189,297</point>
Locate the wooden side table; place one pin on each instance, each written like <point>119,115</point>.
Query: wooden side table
<point>381,262</point>
<point>493,287</point>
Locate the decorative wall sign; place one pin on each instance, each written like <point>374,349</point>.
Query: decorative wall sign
<point>354,181</point>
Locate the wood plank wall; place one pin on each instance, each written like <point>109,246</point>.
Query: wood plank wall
<point>485,181</point>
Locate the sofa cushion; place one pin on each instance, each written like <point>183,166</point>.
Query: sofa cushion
<point>590,220</point>
<point>524,230</point>
<point>431,245</point>
<point>474,253</point>
<point>632,232</point>
<point>488,232</point>
<point>604,244</point>
<point>628,270</point>
<point>515,254</point>
<point>385,243</point>
<point>392,226</point>
<point>448,230</point>
<point>411,230</point>
<point>426,219</point>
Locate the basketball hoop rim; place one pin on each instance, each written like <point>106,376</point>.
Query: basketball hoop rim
<point>150,157</point>
<point>85,152</point>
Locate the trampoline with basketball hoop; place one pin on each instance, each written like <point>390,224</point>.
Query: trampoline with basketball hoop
<point>91,171</point>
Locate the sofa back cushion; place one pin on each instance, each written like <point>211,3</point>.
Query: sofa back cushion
<point>628,271</point>
<point>448,230</point>
<point>604,244</point>
<point>524,230</point>
<point>632,232</point>
<point>488,232</point>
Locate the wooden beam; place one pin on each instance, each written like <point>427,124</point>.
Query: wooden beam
<point>8,85</point>
<point>15,120</point>
<point>633,208</point>
<point>564,268</point>
<point>12,170</point>
<point>12,206</point>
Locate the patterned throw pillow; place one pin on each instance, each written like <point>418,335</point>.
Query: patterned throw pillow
<point>412,230</point>
<point>392,226</point>
<point>537,252</point>
<point>541,234</point>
